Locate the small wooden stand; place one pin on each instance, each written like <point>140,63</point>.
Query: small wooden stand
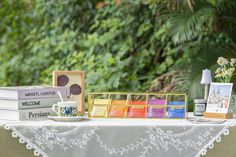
<point>218,115</point>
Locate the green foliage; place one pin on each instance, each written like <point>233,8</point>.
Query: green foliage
<point>40,36</point>
<point>120,46</point>
<point>207,33</point>
<point>127,42</point>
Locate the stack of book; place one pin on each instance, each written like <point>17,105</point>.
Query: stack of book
<point>29,102</point>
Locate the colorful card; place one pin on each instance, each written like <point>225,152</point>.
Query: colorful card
<point>156,112</point>
<point>99,111</point>
<point>176,103</point>
<point>117,111</point>
<point>102,101</point>
<point>137,110</point>
<point>156,102</point>
<point>118,108</point>
<point>176,112</point>
<point>156,108</point>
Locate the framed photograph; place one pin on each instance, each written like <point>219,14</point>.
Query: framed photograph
<point>74,80</point>
<point>219,97</point>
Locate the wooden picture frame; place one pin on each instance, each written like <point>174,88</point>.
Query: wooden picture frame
<point>75,81</point>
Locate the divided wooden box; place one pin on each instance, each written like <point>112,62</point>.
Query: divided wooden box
<point>137,105</point>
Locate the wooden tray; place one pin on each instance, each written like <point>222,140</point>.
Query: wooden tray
<point>218,115</point>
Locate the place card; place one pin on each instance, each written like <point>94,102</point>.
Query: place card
<point>157,102</point>
<point>137,109</point>
<point>102,101</point>
<point>100,107</point>
<point>156,108</point>
<point>99,111</point>
<point>176,103</point>
<point>176,109</point>
<point>118,108</point>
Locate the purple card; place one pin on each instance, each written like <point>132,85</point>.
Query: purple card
<point>156,112</point>
<point>156,102</point>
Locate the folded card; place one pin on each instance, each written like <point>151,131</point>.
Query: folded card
<point>156,112</point>
<point>157,102</point>
<point>176,103</point>
<point>102,101</point>
<point>118,108</point>
<point>156,108</point>
<point>117,111</point>
<point>174,112</point>
<point>99,111</point>
<point>137,110</point>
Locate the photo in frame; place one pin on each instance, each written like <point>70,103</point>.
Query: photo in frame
<point>75,81</point>
<point>219,97</point>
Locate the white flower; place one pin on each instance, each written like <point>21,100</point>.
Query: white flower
<point>222,61</point>
<point>226,69</point>
<point>232,62</point>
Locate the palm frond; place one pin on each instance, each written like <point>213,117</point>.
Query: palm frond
<point>178,4</point>
<point>186,26</point>
<point>228,5</point>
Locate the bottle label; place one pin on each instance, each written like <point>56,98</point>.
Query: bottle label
<point>199,109</point>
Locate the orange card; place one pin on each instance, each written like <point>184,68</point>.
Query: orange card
<point>118,108</point>
<point>132,102</point>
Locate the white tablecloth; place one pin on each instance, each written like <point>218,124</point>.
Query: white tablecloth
<point>118,137</point>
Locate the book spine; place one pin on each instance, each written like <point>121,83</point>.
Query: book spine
<point>42,93</point>
<point>37,103</point>
<point>35,114</point>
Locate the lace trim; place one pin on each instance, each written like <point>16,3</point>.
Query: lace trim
<point>210,145</point>
<point>24,140</point>
<point>37,151</point>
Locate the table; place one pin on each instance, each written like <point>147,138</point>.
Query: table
<point>104,133</point>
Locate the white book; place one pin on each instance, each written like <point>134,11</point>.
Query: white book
<point>28,104</point>
<point>31,92</point>
<point>24,115</point>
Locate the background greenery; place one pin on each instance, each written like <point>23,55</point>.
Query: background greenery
<point>129,45</point>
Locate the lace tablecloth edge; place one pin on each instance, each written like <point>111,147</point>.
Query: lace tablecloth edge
<point>225,131</point>
<point>24,140</point>
<point>37,151</point>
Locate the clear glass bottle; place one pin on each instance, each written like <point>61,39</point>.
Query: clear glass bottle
<point>199,107</point>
